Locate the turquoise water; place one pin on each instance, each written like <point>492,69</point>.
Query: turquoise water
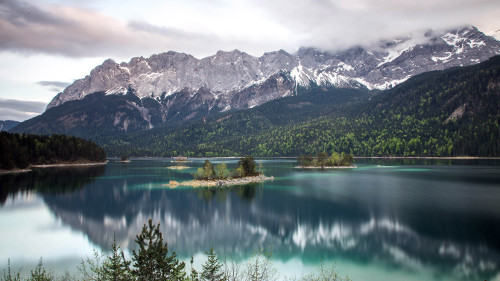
<point>385,220</point>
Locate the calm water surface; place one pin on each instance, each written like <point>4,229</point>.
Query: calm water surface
<point>385,220</point>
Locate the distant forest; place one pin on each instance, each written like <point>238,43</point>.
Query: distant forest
<point>19,151</point>
<point>455,112</point>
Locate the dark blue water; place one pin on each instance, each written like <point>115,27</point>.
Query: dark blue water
<point>385,220</point>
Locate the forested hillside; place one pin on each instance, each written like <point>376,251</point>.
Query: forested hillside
<point>446,113</point>
<point>20,150</point>
<point>91,118</point>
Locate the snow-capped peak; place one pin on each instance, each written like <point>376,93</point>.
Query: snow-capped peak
<point>236,79</point>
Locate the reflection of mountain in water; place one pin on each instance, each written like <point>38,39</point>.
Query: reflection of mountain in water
<point>240,220</point>
<point>54,180</point>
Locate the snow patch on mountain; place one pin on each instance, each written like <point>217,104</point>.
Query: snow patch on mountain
<point>236,80</point>
<point>444,59</point>
<point>397,51</point>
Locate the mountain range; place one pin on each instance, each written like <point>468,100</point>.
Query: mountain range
<point>453,112</point>
<point>160,93</point>
<point>8,124</point>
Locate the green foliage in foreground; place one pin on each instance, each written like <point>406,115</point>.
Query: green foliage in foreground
<point>212,269</point>
<point>20,150</point>
<point>153,262</point>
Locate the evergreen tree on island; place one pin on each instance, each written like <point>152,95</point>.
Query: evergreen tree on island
<point>246,168</point>
<point>248,165</point>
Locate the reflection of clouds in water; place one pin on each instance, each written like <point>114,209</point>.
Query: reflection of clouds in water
<point>392,242</point>
<point>402,258</point>
<point>449,250</point>
<point>325,235</point>
<point>54,238</point>
<point>323,223</point>
<point>381,240</point>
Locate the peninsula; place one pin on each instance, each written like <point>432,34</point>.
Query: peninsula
<point>19,152</point>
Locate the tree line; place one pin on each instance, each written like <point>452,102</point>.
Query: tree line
<point>19,151</point>
<point>153,261</point>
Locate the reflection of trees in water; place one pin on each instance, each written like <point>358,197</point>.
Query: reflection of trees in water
<point>246,192</point>
<point>238,220</point>
<point>49,180</point>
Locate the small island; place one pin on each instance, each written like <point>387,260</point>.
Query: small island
<point>124,159</point>
<point>325,161</point>
<point>219,175</point>
<point>177,167</point>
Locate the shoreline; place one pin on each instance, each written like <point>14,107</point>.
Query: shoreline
<point>326,167</point>
<point>355,157</point>
<point>16,171</point>
<point>19,171</point>
<point>68,165</point>
<point>430,157</point>
<point>220,183</point>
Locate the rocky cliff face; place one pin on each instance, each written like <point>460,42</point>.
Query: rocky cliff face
<point>184,87</point>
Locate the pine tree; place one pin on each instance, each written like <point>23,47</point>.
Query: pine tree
<point>151,262</point>
<point>194,274</point>
<point>322,158</point>
<point>248,165</point>
<point>40,273</point>
<point>92,268</point>
<point>7,276</point>
<point>116,267</point>
<point>212,268</point>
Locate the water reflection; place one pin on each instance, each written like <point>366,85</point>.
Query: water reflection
<point>442,217</point>
<point>54,180</point>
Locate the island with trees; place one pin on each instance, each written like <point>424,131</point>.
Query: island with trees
<point>323,160</point>
<point>22,151</point>
<point>209,175</point>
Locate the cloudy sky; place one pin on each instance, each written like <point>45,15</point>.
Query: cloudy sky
<point>47,44</point>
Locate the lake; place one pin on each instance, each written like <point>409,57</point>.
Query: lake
<point>384,220</point>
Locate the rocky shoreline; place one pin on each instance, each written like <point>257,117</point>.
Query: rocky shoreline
<point>221,183</point>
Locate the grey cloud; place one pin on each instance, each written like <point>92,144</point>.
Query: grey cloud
<point>21,13</point>
<point>327,24</point>
<point>341,24</point>
<point>78,32</point>
<point>55,86</point>
<point>19,110</point>
<point>151,28</point>
<point>68,31</point>
<point>181,41</point>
